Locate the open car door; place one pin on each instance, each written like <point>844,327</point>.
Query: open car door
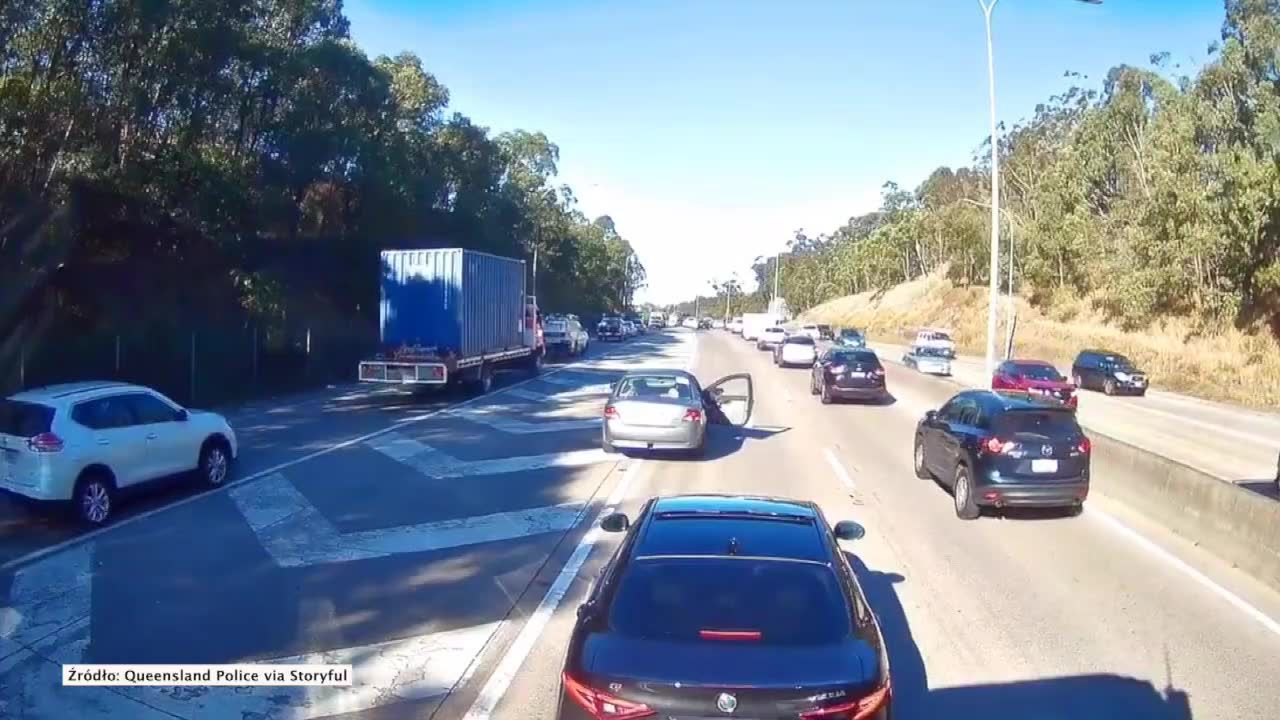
<point>730,400</point>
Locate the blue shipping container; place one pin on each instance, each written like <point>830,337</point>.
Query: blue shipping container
<point>452,299</point>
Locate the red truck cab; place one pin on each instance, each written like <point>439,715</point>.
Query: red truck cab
<point>1035,377</point>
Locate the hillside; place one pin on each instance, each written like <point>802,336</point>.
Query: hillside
<point>1227,365</point>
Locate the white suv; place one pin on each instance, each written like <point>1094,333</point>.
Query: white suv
<point>85,441</point>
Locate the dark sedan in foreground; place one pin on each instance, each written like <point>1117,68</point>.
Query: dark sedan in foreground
<point>843,373</point>
<point>1004,449</point>
<point>721,606</point>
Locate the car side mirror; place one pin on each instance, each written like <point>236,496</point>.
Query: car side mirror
<point>615,522</point>
<point>586,610</point>
<point>181,415</point>
<point>931,416</point>
<point>849,530</point>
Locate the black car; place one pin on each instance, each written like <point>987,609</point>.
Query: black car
<point>1004,449</point>
<point>1109,372</point>
<point>730,607</point>
<point>848,373</point>
<point>610,328</point>
<point>824,332</point>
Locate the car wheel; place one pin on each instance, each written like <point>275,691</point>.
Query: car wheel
<point>813,385</point>
<point>1109,386</point>
<point>535,363</point>
<point>1075,510</point>
<point>215,462</point>
<point>966,508</point>
<point>826,394</point>
<point>922,472</point>
<point>94,498</point>
<point>1078,381</point>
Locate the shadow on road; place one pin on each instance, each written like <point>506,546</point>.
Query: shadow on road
<point>1098,696</point>
<point>1266,488</point>
<point>721,442</point>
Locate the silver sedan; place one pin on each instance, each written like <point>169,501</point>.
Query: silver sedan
<point>669,410</point>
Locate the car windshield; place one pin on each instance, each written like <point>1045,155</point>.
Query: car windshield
<point>850,334</point>
<point>641,387</point>
<point>931,352</point>
<point>800,340</point>
<point>24,419</point>
<point>1035,371</point>
<point>787,602</point>
<point>1049,423</point>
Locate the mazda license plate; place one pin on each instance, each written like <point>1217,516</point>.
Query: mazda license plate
<point>1044,466</point>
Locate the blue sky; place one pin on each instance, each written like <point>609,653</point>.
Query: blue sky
<point>711,129</point>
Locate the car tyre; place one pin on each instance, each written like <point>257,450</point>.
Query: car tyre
<point>1077,381</point>
<point>93,500</point>
<point>1109,386</point>
<point>215,462</point>
<point>962,492</point>
<point>826,394</point>
<point>917,461</point>
<point>1075,510</point>
<point>813,386</point>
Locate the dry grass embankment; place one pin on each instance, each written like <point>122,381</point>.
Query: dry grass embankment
<point>1229,365</point>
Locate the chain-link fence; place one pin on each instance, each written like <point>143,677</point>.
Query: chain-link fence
<point>200,365</point>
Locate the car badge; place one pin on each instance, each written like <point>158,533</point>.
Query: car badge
<point>1046,450</point>
<point>727,703</point>
<point>615,687</point>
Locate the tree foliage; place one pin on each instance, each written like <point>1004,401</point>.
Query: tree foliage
<point>165,160</point>
<point>1155,194</point>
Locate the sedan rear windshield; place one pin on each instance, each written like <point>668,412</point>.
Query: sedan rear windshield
<point>858,356</point>
<point>800,340</point>
<point>642,387</point>
<point>787,602</point>
<point>1049,423</point>
<point>1038,372</point>
<point>24,419</point>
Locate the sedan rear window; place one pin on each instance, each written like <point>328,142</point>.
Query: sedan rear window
<point>1035,371</point>
<point>24,419</point>
<point>799,340</point>
<point>641,387</point>
<point>855,356</point>
<point>787,602</point>
<point>1049,423</point>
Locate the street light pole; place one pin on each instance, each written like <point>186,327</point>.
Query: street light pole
<point>994,289</point>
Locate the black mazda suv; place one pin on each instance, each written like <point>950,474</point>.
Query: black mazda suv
<point>1004,449</point>
<point>719,606</point>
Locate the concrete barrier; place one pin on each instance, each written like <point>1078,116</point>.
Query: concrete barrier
<point>1235,524</point>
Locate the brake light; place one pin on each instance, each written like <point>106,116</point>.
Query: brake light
<point>46,442</point>
<point>996,446</point>
<point>600,704</point>
<point>859,709</point>
<point>692,415</point>
<point>878,372</point>
<point>729,634</point>
<point>838,369</point>
<point>610,412</point>
<point>1085,446</point>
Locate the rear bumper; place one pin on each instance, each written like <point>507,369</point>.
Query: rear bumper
<point>859,393</point>
<point>403,373</point>
<point>1058,493</point>
<point>641,437</point>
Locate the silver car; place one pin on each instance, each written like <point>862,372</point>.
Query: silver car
<point>670,410</point>
<point>931,361</point>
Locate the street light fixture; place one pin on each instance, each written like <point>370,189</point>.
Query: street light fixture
<point>987,7</point>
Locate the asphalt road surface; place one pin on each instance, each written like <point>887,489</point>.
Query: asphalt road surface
<point>441,550</point>
<point>1234,443</point>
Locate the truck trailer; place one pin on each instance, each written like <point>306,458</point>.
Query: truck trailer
<point>453,316</point>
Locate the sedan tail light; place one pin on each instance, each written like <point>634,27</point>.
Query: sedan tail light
<point>600,704</point>
<point>878,372</point>
<point>45,443</point>
<point>1085,446</point>
<point>692,415</point>
<point>838,369</point>
<point>610,412</point>
<point>859,709</point>
<point>996,446</point>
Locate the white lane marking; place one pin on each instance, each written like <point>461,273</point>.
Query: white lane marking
<point>839,470</point>
<point>122,522</point>
<point>46,597</point>
<point>496,686</point>
<point>1178,563</point>
<point>296,534</point>
<point>436,463</point>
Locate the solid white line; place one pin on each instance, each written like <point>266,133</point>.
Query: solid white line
<point>1178,563</point>
<point>90,535</point>
<point>838,469</point>
<point>496,686</point>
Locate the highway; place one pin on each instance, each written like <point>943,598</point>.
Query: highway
<point>441,549</point>
<point>1234,443</point>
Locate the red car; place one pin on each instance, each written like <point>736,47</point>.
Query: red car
<point>1037,377</point>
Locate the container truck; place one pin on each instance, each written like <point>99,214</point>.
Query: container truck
<point>754,323</point>
<point>453,316</point>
